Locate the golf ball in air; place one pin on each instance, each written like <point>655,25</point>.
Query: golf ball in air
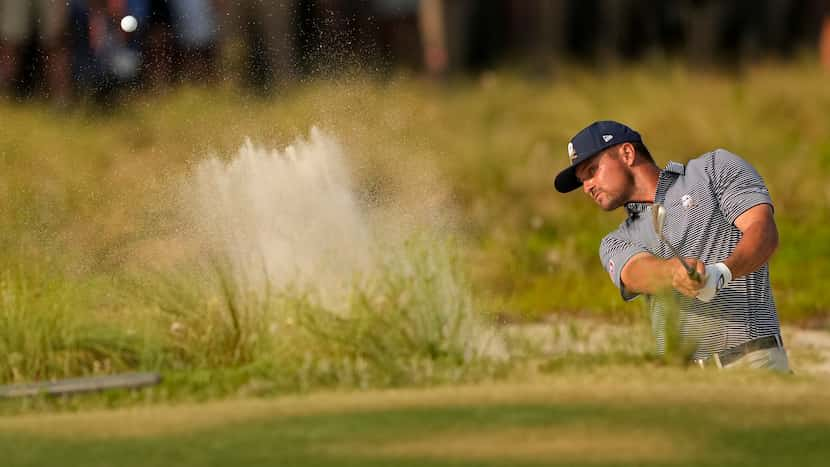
<point>129,23</point>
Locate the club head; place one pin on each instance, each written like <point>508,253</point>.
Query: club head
<point>658,213</point>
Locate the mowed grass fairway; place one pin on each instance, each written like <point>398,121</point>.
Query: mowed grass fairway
<point>622,416</point>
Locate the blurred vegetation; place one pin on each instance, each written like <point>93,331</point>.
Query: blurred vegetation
<point>85,198</point>
<point>619,416</point>
<point>415,322</point>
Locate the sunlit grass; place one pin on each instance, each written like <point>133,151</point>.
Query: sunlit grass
<point>88,198</point>
<point>618,416</point>
<point>413,321</point>
<point>47,330</point>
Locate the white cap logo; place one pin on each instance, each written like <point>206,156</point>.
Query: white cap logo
<point>607,138</point>
<point>571,152</point>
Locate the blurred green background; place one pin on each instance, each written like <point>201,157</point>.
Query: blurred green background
<point>84,196</point>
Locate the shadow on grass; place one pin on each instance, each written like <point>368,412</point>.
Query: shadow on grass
<point>698,435</point>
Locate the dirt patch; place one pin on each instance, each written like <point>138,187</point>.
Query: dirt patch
<point>561,443</point>
<point>564,334</point>
<point>809,350</point>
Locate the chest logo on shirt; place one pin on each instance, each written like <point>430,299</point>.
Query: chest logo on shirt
<point>688,202</point>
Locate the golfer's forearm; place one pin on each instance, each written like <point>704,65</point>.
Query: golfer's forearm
<point>755,248</point>
<point>646,274</point>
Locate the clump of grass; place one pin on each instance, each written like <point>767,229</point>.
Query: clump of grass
<point>47,332</point>
<point>677,349</point>
<point>412,321</point>
<point>203,317</point>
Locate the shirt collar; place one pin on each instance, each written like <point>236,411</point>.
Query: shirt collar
<point>636,208</point>
<point>672,169</point>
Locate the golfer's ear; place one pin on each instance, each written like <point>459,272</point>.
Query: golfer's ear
<point>628,154</point>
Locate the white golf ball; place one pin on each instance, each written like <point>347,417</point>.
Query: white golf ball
<point>129,23</point>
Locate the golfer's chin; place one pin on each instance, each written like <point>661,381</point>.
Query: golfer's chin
<point>607,204</point>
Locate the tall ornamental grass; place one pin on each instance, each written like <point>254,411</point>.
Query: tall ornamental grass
<point>412,321</point>
<point>47,331</point>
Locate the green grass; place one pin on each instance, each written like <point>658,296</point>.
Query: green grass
<point>413,322</point>
<point>88,208</point>
<point>625,417</point>
<point>91,189</point>
<point>49,329</point>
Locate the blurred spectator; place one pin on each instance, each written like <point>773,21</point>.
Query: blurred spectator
<point>266,29</point>
<point>277,40</point>
<point>175,38</point>
<point>537,28</point>
<point>104,57</point>
<point>627,29</point>
<point>336,35</point>
<point>179,41</point>
<point>445,31</point>
<point>767,27</point>
<point>731,33</point>
<point>158,46</point>
<point>38,24</point>
<point>824,40</point>
<point>398,30</point>
<point>195,30</point>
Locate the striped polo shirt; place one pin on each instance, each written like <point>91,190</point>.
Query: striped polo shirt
<point>702,201</point>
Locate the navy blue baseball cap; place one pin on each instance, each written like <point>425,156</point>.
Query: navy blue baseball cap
<point>589,142</point>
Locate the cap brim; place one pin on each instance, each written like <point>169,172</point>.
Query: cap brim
<point>567,181</point>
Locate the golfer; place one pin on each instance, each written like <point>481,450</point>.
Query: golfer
<point>719,217</point>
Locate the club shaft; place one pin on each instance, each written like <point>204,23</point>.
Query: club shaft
<point>689,270</point>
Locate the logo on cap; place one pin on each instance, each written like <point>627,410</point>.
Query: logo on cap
<point>571,152</point>
<point>607,138</point>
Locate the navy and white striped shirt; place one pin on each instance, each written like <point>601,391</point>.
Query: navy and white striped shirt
<point>702,201</point>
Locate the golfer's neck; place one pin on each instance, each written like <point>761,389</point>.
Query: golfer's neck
<point>645,184</point>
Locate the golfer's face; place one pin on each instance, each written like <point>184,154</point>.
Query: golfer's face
<point>605,179</point>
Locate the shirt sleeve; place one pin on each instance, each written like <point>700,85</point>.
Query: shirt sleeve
<point>737,185</point>
<point>615,250</point>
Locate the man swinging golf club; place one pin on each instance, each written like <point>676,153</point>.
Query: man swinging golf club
<point>697,239</point>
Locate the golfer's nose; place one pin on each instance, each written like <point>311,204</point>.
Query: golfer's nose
<point>586,186</point>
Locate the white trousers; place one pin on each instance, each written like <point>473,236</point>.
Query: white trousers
<point>774,359</point>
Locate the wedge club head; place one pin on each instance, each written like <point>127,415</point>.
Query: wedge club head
<point>658,214</point>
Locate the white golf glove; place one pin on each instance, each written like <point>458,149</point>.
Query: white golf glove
<point>718,276</point>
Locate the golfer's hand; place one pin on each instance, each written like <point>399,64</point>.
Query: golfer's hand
<point>681,280</point>
<point>717,277</point>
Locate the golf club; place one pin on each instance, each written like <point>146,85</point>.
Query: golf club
<point>659,216</point>
<point>79,385</point>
